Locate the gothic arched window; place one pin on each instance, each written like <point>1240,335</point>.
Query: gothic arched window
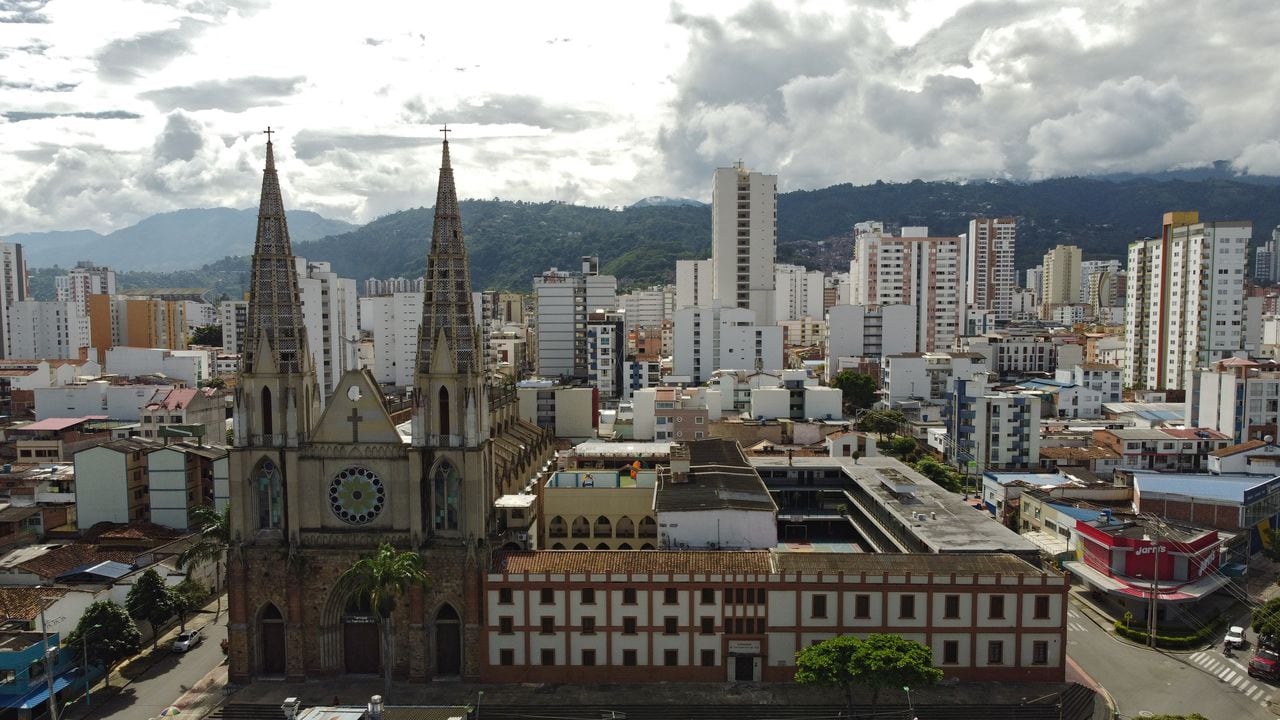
<point>266,413</point>
<point>270,491</point>
<point>446,493</point>
<point>444,414</point>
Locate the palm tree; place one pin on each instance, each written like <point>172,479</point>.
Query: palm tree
<point>381,580</point>
<point>215,535</point>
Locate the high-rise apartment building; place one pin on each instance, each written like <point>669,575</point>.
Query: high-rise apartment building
<point>798,293</point>
<point>1061,277</point>
<point>648,308</point>
<point>992,278</point>
<point>393,321</point>
<point>46,330</point>
<point>693,283</point>
<point>715,338</point>
<point>913,269</point>
<point>235,318</point>
<point>606,351</point>
<point>564,300</point>
<point>13,286</point>
<point>744,219</point>
<point>1185,299</point>
<point>1266,260</point>
<point>329,311</point>
<point>83,280</point>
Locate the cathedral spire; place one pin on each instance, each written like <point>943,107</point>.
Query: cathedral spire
<point>275,312</point>
<point>448,318</point>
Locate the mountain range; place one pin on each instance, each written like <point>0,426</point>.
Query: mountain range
<point>511,241</point>
<point>168,241</point>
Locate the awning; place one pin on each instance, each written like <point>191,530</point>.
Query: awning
<point>1164,592</point>
<point>42,695</point>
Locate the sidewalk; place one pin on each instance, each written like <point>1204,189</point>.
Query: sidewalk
<point>125,672</point>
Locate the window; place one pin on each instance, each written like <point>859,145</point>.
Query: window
<point>907,607</point>
<point>670,657</point>
<point>506,625</point>
<point>669,626</point>
<point>548,656</point>
<point>1040,652</point>
<point>1042,607</point>
<point>728,596</point>
<point>819,606</point>
<point>507,657</point>
<point>629,658</point>
<point>548,596</point>
<point>708,596</point>
<point>751,596</point>
<point>670,596</point>
<point>504,596</point>
<point>995,653</point>
<point>951,607</point>
<point>629,626</point>
<point>708,625</point>
<point>628,596</point>
<point>708,658</point>
<point>588,657</point>
<point>548,625</point>
<point>950,652</point>
<point>996,611</point>
<point>588,626</point>
<point>862,606</point>
<point>588,596</point>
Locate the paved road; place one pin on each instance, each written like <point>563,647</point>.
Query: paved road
<point>161,684</point>
<point>1166,682</point>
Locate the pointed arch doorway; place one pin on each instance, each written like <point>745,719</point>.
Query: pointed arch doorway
<point>448,630</point>
<point>361,640</point>
<point>271,651</point>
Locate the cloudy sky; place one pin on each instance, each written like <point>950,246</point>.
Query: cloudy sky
<point>112,110</point>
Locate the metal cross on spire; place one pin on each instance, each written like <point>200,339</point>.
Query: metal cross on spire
<point>445,129</point>
<point>268,132</point>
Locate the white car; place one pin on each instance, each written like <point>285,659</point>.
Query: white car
<point>187,640</point>
<point>1235,637</point>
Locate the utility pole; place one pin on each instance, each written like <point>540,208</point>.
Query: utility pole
<point>48,662</point>
<point>1154,609</point>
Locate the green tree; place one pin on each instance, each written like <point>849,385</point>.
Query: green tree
<point>882,422</point>
<point>902,446</point>
<point>107,634</point>
<point>187,597</point>
<point>1192,716</point>
<point>381,580</point>
<point>875,662</point>
<point>1266,619</point>
<point>859,390</point>
<point>211,547</point>
<point>210,335</point>
<point>149,600</point>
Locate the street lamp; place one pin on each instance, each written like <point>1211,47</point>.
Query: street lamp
<point>911,710</point>
<point>479,697</point>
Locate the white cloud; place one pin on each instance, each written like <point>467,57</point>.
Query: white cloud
<point>116,109</point>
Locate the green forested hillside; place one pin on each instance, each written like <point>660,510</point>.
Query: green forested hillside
<point>510,242</point>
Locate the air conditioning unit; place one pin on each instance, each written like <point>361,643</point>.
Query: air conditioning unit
<point>522,536</point>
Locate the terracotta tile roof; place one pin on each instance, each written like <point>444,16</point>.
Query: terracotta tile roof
<point>639,562</point>
<point>1237,449</point>
<point>69,557</point>
<point>14,514</point>
<point>107,532</point>
<point>1079,453</point>
<point>1194,434</point>
<point>754,561</point>
<point>23,603</point>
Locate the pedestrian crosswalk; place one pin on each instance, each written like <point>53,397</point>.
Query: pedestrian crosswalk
<point>1076,622</point>
<point>1076,627</point>
<point>1234,673</point>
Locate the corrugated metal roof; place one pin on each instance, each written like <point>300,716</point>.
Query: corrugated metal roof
<point>1230,488</point>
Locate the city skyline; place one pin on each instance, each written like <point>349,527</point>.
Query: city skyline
<point>118,110</point>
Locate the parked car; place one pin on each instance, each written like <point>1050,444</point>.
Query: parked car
<point>1235,637</point>
<point>187,640</point>
<point>1266,665</point>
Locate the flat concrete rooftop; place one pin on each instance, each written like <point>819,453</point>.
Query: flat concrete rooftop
<point>948,525</point>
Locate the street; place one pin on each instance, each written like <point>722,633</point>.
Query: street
<point>159,685</point>
<point>1146,681</point>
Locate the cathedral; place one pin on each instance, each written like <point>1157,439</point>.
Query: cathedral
<point>317,483</point>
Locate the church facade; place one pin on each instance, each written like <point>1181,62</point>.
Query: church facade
<point>317,483</point>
